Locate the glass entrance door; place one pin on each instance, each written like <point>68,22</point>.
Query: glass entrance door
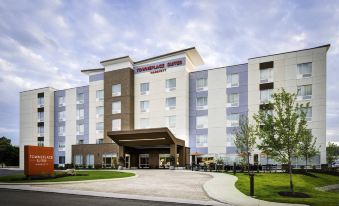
<point>127,160</point>
<point>143,160</point>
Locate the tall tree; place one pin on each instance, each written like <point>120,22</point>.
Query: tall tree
<point>307,148</point>
<point>332,152</point>
<point>245,139</point>
<point>281,132</point>
<point>9,154</point>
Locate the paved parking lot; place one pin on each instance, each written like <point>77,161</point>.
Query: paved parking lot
<point>156,183</point>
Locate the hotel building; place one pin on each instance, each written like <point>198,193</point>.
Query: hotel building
<point>150,109</point>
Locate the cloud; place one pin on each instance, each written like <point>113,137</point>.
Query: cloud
<point>48,42</point>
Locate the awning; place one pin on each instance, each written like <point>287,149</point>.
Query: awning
<point>145,137</point>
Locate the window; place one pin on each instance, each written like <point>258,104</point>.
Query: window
<point>171,121</point>
<point>308,112</point>
<point>233,100</point>
<point>80,141</point>
<point>61,116</point>
<point>99,95</point>
<point>230,140</point>
<point>201,122</point>
<point>144,106</point>
<point>99,127</point>
<point>201,84</point>
<point>171,84</point>
<point>80,114</point>
<point>61,160</point>
<point>62,131</point>
<point>171,102</point>
<point>40,131</point>
<point>232,80</point>
<point>116,124</point>
<point>80,98</point>
<point>41,101</point>
<point>40,143</point>
<point>40,116</point>
<point>304,92</point>
<point>90,160</point>
<point>304,70</point>
<point>266,95</point>
<point>61,101</point>
<point>201,141</point>
<point>116,107</point>
<point>201,103</point>
<point>100,141</point>
<point>144,88</point>
<point>266,75</point>
<point>144,123</point>
<point>232,120</point>
<point>99,111</point>
<point>80,129</point>
<point>116,90</point>
<point>78,160</point>
<point>61,146</point>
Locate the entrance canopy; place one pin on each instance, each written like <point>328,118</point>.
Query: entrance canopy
<point>145,137</point>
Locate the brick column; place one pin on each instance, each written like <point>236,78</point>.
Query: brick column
<point>182,156</point>
<point>173,151</point>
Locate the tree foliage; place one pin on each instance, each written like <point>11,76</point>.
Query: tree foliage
<point>9,154</point>
<point>332,152</point>
<point>307,148</point>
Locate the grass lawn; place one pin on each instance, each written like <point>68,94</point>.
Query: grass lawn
<point>267,186</point>
<point>83,175</point>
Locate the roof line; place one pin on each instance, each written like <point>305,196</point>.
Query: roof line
<point>90,70</point>
<point>114,59</point>
<point>325,45</point>
<point>37,89</point>
<point>219,67</point>
<point>163,55</point>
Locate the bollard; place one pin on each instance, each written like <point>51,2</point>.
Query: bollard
<point>234,168</point>
<point>251,184</point>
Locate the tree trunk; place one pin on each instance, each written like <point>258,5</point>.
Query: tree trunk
<point>290,172</point>
<point>248,163</point>
<point>306,163</point>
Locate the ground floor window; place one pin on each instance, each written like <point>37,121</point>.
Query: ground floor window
<point>109,161</point>
<point>164,160</point>
<point>144,160</point>
<point>61,159</point>
<point>90,161</point>
<point>78,160</point>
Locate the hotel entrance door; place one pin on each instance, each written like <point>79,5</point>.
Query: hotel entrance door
<point>143,160</point>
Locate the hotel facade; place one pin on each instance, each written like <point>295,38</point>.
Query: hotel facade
<point>148,110</point>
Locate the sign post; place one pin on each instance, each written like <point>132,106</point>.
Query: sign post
<point>39,161</point>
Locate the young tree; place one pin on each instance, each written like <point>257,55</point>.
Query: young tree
<point>307,148</point>
<point>9,154</point>
<point>281,132</point>
<point>332,152</point>
<point>245,139</point>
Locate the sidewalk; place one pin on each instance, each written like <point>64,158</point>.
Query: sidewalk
<point>222,188</point>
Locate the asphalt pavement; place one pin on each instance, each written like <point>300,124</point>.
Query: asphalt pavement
<point>32,198</point>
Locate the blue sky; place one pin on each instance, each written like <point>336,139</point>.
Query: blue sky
<point>47,43</point>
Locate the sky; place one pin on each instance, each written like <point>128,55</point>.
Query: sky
<point>47,43</point>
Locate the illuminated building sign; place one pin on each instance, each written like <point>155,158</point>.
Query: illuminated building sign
<point>160,67</point>
<point>39,161</point>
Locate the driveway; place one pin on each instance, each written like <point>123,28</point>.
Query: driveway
<point>155,183</point>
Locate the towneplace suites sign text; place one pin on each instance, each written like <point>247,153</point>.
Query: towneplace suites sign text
<point>160,67</point>
<point>39,161</point>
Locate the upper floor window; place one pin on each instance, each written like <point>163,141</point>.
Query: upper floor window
<point>99,95</point>
<point>61,131</point>
<point>144,106</point>
<point>62,146</point>
<point>171,102</point>
<point>80,129</point>
<point>266,75</point>
<point>40,131</point>
<point>201,103</point>
<point>201,122</point>
<point>116,124</point>
<point>201,141</point>
<point>116,107</point>
<point>80,114</point>
<point>40,116</point>
<point>308,113</point>
<point>100,141</point>
<point>232,80</point>
<point>171,121</point>
<point>171,84</point>
<point>99,127</point>
<point>61,116</point>
<point>116,90</point>
<point>304,70</point>
<point>80,98</point>
<point>99,111</point>
<point>266,95</point>
<point>304,92</point>
<point>233,100</point>
<point>202,84</point>
<point>230,140</point>
<point>144,88</point>
<point>61,101</point>
<point>41,101</point>
<point>233,120</point>
<point>144,123</point>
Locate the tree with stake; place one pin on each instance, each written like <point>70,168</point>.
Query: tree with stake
<point>332,152</point>
<point>281,132</point>
<point>245,139</point>
<point>307,148</point>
